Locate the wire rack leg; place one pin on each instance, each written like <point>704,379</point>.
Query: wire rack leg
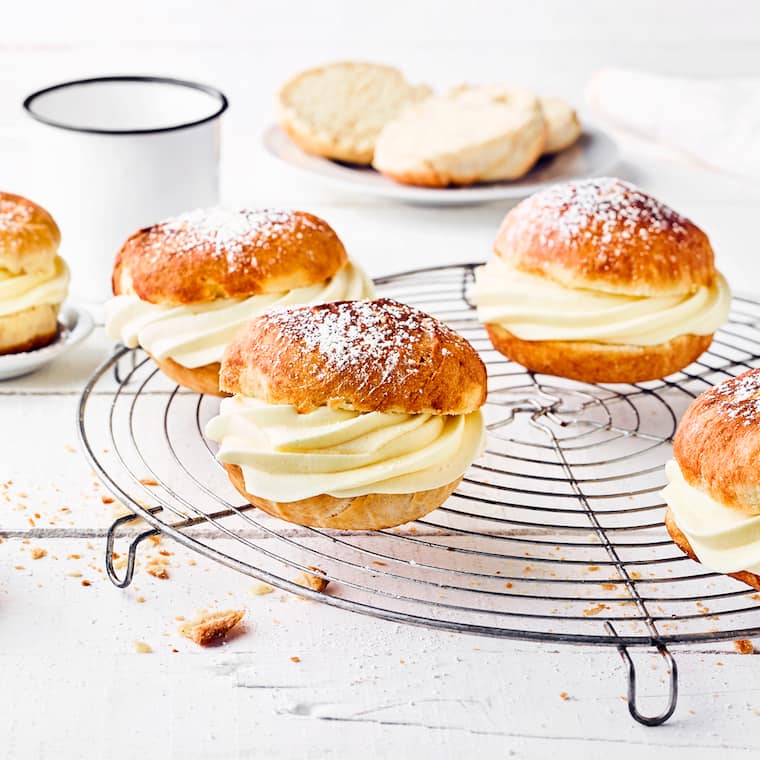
<point>655,720</point>
<point>132,551</point>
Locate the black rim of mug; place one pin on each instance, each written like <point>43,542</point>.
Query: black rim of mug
<point>218,94</point>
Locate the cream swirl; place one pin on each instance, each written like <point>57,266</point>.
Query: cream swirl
<point>197,334</point>
<point>724,539</point>
<point>532,307</point>
<point>286,456</point>
<point>23,291</point>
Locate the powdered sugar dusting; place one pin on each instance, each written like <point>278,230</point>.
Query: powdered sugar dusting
<point>14,215</point>
<point>224,233</point>
<point>351,337</point>
<point>738,398</point>
<point>607,210</point>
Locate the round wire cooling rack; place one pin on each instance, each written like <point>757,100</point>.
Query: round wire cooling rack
<point>555,534</point>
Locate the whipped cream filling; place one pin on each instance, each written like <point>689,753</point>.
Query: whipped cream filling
<point>197,334</point>
<point>287,456</point>
<point>724,539</point>
<point>532,307</point>
<point>23,291</point>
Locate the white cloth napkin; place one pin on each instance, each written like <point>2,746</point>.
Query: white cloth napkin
<point>714,121</point>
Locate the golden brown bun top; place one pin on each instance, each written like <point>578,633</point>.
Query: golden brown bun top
<point>29,236</point>
<point>216,253</point>
<point>605,234</point>
<point>372,356</point>
<point>717,445</point>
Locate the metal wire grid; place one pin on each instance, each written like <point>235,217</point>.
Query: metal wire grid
<point>555,534</point>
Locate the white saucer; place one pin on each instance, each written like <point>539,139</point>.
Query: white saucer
<point>75,325</point>
<point>593,155</point>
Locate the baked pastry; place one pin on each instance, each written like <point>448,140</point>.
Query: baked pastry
<point>473,134</point>
<point>562,125</point>
<point>351,415</point>
<point>34,279</point>
<point>713,494</point>
<point>598,281</point>
<point>338,110</point>
<point>183,287</point>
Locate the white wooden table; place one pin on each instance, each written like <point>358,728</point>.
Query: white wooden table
<point>71,682</point>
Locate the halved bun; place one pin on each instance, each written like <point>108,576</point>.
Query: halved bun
<point>562,125</point>
<point>209,254</point>
<point>338,110</point>
<point>370,356</point>
<point>468,136</point>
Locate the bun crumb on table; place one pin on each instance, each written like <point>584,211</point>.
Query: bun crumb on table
<point>211,627</point>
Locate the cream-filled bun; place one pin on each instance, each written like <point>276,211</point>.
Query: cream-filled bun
<point>34,279</point>
<point>713,494</point>
<point>597,281</point>
<point>351,415</point>
<point>183,287</point>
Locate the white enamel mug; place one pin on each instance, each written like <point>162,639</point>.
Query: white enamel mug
<point>113,154</point>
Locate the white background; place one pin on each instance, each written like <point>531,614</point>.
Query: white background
<point>70,683</point>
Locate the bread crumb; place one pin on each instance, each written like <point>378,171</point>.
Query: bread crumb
<point>140,599</point>
<point>19,567</point>
<point>314,582</point>
<point>74,575</point>
<point>107,499</point>
<point>157,571</point>
<point>38,552</point>
<point>211,627</point>
<point>593,568</point>
<point>148,482</point>
<point>259,589</point>
<point>295,659</point>
<point>508,584</point>
<point>563,695</point>
<point>86,583</point>
<point>595,610</point>
<point>142,648</point>
<point>744,646</point>
<point>608,586</point>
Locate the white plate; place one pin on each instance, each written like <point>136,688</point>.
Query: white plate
<point>75,325</point>
<point>593,155</point>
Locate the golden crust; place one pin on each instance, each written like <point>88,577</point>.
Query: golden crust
<point>216,253</point>
<point>682,542</point>
<point>203,379</point>
<point>717,444</point>
<point>372,356</point>
<point>605,234</point>
<point>29,236</point>
<point>600,362</point>
<point>29,329</point>
<point>367,512</point>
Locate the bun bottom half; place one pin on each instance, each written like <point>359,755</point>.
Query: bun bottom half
<point>29,329</point>
<point>372,511</point>
<point>682,542</point>
<point>203,379</point>
<point>600,362</point>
